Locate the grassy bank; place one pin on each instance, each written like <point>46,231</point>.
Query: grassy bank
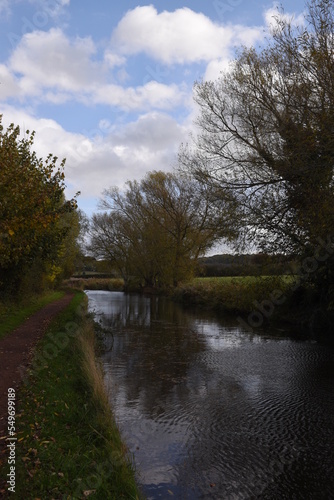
<point>13,314</point>
<point>233,295</point>
<point>68,443</point>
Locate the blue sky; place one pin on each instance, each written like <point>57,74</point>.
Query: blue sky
<point>108,85</point>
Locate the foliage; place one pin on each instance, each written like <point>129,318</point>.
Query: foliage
<point>156,230</point>
<point>35,218</point>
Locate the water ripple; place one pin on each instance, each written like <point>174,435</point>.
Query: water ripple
<point>211,412</point>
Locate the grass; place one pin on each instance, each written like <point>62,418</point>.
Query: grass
<point>288,278</point>
<point>68,443</point>
<point>235,295</point>
<point>11,316</point>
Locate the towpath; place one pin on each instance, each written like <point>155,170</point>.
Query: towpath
<point>16,352</point>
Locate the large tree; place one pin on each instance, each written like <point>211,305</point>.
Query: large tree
<point>33,210</point>
<point>267,133</point>
<point>158,227</point>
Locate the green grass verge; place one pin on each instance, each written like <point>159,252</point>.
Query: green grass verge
<point>68,443</point>
<point>12,315</point>
<point>227,294</point>
<point>288,278</point>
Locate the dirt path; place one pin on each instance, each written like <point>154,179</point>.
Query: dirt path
<point>16,351</point>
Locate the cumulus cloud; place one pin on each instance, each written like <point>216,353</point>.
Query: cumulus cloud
<point>215,68</point>
<point>50,59</point>
<point>151,95</point>
<point>126,153</point>
<point>112,59</point>
<point>9,86</point>
<point>153,130</point>
<point>182,36</point>
<point>54,68</point>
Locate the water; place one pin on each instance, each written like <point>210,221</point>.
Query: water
<point>211,411</point>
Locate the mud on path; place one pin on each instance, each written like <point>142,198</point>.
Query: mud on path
<point>16,352</point>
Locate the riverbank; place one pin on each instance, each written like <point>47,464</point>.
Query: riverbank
<point>283,301</point>
<point>233,295</point>
<point>68,444</point>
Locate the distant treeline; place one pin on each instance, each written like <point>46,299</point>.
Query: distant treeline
<point>245,265</point>
<point>217,265</point>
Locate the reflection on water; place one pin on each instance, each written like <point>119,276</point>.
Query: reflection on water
<point>211,411</point>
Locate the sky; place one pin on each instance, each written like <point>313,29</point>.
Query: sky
<point>109,85</point>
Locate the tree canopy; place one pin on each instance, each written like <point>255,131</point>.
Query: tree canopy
<point>35,218</point>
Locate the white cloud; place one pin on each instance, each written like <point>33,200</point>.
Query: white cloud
<point>118,155</point>
<point>151,95</point>
<point>154,130</point>
<point>53,68</point>
<point>50,8</point>
<point>50,59</point>
<point>9,86</point>
<point>215,68</point>
<point>109,158</point>
<point>112,59</point>
<point>182,36</point>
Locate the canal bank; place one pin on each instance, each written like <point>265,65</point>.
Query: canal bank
<point>67,442</point>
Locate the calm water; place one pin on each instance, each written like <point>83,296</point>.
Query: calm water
<point>211,411</point>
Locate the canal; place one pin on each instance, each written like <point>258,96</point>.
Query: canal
<point>212,411</point>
